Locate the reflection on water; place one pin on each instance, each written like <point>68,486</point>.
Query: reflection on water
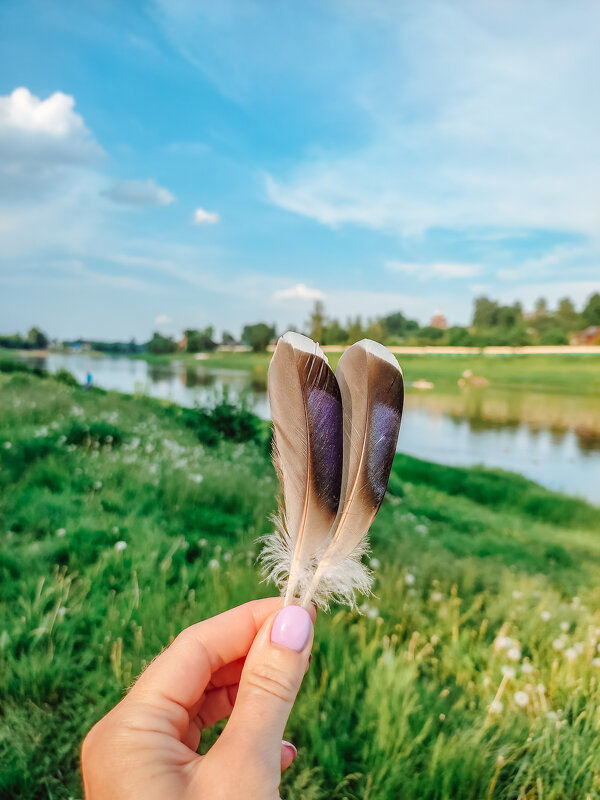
<point>551,438</point>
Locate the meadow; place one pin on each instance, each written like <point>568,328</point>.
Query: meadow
<point>578,374</point>
<point>473,671</point>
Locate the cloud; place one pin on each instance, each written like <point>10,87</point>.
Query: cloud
<point>462,127</point>
<point>140,193</point>
<point>202,217</point>
<point>162,319</point>
<point>299,291</point>
<point>41,142</point>
<point>441,269</point>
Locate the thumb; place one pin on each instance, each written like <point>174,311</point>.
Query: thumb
<point>268,686</point>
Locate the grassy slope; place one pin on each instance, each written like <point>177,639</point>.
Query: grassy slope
<point>396,703</point>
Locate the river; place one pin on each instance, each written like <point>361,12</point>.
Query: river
<point>551,438</point>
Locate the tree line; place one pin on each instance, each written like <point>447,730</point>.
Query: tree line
<point>492,324</point>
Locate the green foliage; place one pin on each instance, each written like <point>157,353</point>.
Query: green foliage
<point>258,336</point>
<point>200,341</point>
<point>591,313</point>
<point>160,345</point>
<point>118,528</point>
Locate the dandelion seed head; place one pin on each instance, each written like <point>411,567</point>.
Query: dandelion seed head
<point>409,579</point>
<point>527,667</point>
<point>496,707</point>
<point>545,615</point>
<point>521,698</point>
<point>213,564</point>
<point>375,563</point>
<point>564,626</point>
<point>61,532</point>
<point>437,597</point>
<point>514,653</point>
<point>121,545</point>
<point>508,671</point>
<point>558,644</point>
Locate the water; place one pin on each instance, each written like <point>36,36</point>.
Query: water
<point>551,438</point>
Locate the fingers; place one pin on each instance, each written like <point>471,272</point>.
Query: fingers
<point>177,679</point>
<point>268,686</point>
<point>288,754</point>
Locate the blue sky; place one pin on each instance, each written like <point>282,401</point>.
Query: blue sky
<point>179,163</point>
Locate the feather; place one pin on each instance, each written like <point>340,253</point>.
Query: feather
<point>306,411</point>
<point>372,391</point>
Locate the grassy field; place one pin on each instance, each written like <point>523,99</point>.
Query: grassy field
<point>474,671</point>
<point>579,374</point>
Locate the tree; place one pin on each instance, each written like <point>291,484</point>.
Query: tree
<point>355,330</point>
<point>541,307</point>
<point>37,339</point>
<point>258,336</point>
<point>485,313</point>
<point>228,339</point>
<point>334,333</point>
<point>591,313</point>
<point>566,315</point>
<point>398,325</point>
<point>316,321</point>
<point>160,345</point>
<point>200,341</point>
<point>509,316</point>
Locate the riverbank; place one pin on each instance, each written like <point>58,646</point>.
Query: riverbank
<point>124,519</point>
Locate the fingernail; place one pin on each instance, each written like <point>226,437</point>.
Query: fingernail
<point>289,746</point>
<point>291,628</point>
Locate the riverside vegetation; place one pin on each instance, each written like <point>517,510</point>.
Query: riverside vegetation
<point>473,671</point>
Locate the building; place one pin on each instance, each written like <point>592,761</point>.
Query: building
<point>590,335</point>
<point>438,320</point>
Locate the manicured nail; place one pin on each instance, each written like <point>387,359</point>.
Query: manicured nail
<point>290,746</point>
<point>291,628</point>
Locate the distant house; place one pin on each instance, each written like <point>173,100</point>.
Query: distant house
<point>590,335</point>
<point>183,343</point>
<point>438,320</point>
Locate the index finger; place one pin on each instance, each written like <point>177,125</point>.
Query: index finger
<point>181,673</point>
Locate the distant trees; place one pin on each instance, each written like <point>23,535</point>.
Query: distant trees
<point>161,345</point>
<point>258,336</point>
<point>591,312</point>
<point>200,341</point>
<point>35,340</point>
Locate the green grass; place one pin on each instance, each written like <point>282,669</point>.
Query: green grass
<point>577,374</point>
<point>397,701</point>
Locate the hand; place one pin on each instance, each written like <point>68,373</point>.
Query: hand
<point>248,664</point>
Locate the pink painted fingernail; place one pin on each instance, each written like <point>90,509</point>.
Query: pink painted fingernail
<point>291,628</point>
<point>289,746</point>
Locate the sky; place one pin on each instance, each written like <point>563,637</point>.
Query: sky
<point>183,163</point>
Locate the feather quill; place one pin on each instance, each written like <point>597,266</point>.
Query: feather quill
<point>306,411</point>
<point>372,390</point>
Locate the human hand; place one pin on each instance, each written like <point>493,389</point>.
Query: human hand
<point>248,664</point>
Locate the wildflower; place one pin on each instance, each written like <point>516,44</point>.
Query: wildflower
<point>496,707</point>
<point>576,602</point>
<point>197,478</point>
<point>503,642</point>
<point>372,613</point>
<point>545,616</point>
<point>422,529</point>
<point>98,485</point>
<point>375,563</point>
<point>558,644</point>
<point>442,717</point>
<point>61,532</point>
<point>595,662</point>
<point>202,542</point>
<point>517,595</point>
<point>62,611</point>
<point>521,698</point>
<point>578,647</point>
<point>500,760</point>
<point>121,545</point>
<point>507,671</point>
<point>514,653</point>
<point>409,579</point>
<point>7,445</point>
<point>149,448</point>
<point>115,529</point>
<point>437,597</point>
<point>526,667</point>
<point>227,557</point>
<point>564,626</point>
<point>213,564</point>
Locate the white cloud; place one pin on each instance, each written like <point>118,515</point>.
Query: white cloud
<point>41,142</point>
<point>140,193</point>
<point>162,319</point>
<point>299,291</point>
<point>474,117</point>
<point>439,269</point>
<point>202,217</point>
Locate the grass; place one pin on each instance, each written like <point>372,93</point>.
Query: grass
<point>577,374</point>
<point>473,672</point>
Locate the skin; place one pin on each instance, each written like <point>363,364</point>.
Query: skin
<point>226,666</point>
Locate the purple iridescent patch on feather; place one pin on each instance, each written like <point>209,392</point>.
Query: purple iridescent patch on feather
<point>325,422</point>
<point>383,435</point>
